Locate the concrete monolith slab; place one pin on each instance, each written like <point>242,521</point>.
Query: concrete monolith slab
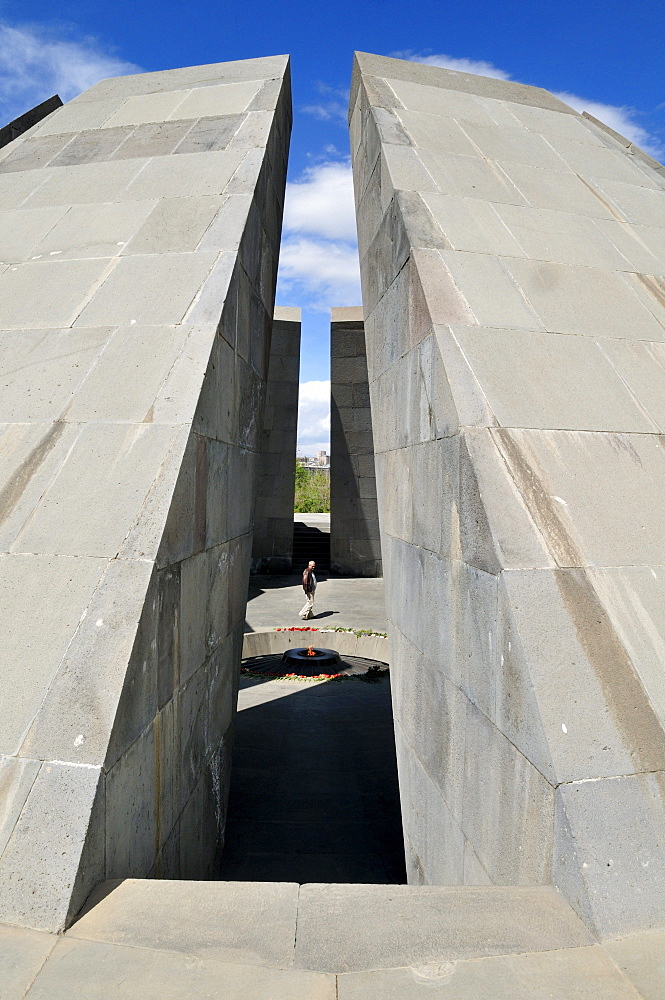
<point>272,545</point>
<point>137,293</point>
<point>355,543</point>
<point>511,255</point>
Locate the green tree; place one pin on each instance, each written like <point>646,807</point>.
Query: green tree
<point>312,491</point>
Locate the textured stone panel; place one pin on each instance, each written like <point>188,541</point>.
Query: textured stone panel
<point>136,972</point>
<point>272,544</point>
<point>583,973</point>
<point>22,954</point>
<point>129,443</point>
<point>355,544</point>
<point>514,317</point>
<point>225,920</point>
<point>428,924</point>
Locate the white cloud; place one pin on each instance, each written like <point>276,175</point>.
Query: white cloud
<point>477,66</point>
<point>35,63</point>
<point>335,106</point>
<point>319,255</point>
<point>314,417</point>
<point>321,203</point>
<point>323,273</point>
<point>326,111</point>
<point>621,118</point>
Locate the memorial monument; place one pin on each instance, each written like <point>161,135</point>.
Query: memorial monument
<point>141,226</point>
<point>504,379</point>
<point>511,253</point>
<point>355,543</point>
<point>272,545</point>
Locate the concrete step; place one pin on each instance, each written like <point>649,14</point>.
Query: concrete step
<point>253,941</point>
<point>331,927</point>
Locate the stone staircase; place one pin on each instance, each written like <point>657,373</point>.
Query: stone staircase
<point>281,941</point>
<point>310,543</point>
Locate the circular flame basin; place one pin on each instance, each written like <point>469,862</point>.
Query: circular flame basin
<point>309,661</point>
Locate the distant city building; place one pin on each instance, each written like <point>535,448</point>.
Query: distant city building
<point>320,462</point>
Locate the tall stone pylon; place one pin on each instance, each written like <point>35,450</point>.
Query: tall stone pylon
<point>513,262</point>
<point>139,235</point>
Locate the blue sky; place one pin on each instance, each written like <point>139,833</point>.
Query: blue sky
<point>606,57</point>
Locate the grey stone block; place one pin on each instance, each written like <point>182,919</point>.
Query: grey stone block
<point>121,445</point>
<point>449,137</point>
<point>588,302</point>
<point>439,91</point>
<point>273,518</point>
<point>428,809</point>
<point>337,925</point>
<point>153,140</point>
<point>607,840</point>
<point>93,966</point>
<point>76,717</point>
<point>16,187</point>
<point>22,954</point>
<point>39,888</point>
<point>94,230</point>
<point>76,117</point>
<point>354,533</point>
<point>44,295</point>
<point>583,972</point>
<point>222,920</point>
<point>570,518</point>
<point>148,289</point>
<point>191,175</point>
<point>513,843</point>
<point>632,597</point>
<point>34,152</point>
<point>132,824</point>
<point>526,381</point>
<point>208,134</point>
<point>22,231</point>
<point>556,189</point>
<point>603,163</point>
<point>641,957</point>
<point>85,184</point>
<point>587,666</point>
<point>562,237</point>
<point>518,472</point>
<point>148,108</point>
<point>91,503</point>
<point>222,99</point>
<point>17,776</point>
<point>176,224</point>
<point>472,225</point>
<point>490,290</point>
<point>44,623</point>
<point>91,146</point>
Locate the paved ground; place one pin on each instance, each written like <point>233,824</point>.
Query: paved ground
<point>353,602</point>
<point>314,794</point>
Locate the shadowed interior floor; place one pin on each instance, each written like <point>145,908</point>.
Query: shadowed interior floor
<point>314,793</point>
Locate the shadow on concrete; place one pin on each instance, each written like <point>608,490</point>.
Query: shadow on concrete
<point>310,542</point>
<point>314,792</point>
<point>260,584</point>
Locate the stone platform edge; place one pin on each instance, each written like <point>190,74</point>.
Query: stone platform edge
<point>265,642</point>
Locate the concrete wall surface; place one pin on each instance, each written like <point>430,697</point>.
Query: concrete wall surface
<point>355,542</point>
<point>513,269</point>
<point>140,228</point>
<point>272,548</point>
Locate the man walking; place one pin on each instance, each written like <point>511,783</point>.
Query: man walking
<point>309,586</point>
